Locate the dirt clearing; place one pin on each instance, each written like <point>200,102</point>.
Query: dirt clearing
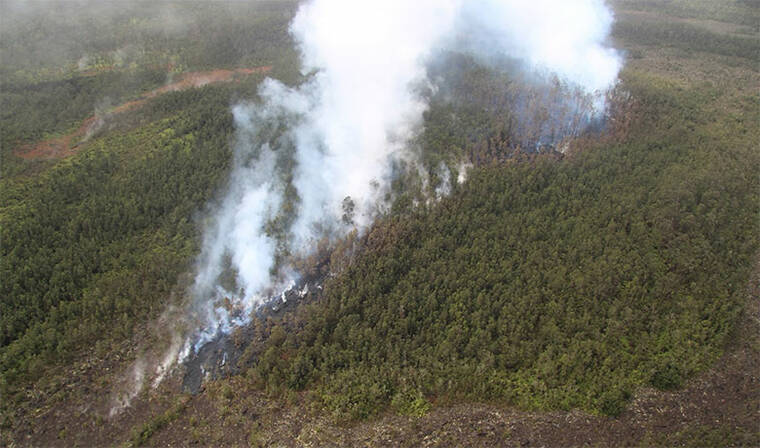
<point>68,144</point>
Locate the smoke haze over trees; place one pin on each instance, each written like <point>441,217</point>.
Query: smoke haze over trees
<point>469,202</point>
<point>338,134</point>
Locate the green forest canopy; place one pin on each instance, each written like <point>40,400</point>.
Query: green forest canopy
<point>546,283</point>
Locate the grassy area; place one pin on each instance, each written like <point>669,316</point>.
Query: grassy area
<point>739,12</point>
<point>687,37</point>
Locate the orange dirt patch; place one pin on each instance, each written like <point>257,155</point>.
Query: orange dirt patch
<point>199,79</point>
<point>57,147</point>
<point>69,144</point>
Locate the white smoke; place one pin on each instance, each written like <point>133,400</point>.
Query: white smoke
<point>132,386</point>
<point>565,38</point>
<point>462,169</point>
<point>368,57</point>
<point>237,238</point>
<point>444,185</point>
<point>301,152</point>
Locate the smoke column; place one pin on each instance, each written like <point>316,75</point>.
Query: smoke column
<point>302,151</point>
<point>559,37</point>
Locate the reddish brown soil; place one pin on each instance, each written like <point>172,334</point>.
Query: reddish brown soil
<point>69,144</point>
<point>199,79</point>
<point>57,147</point>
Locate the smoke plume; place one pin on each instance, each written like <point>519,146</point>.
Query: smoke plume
<point>312,162</point>
<point>565,38</point>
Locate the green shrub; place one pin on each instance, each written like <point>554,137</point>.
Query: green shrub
<point>411,403</point>
<point>667,377</point>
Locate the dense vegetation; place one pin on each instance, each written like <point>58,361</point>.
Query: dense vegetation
<point>550,284</point>
<point>58,70</point>
<point>691,38</point>
<point>32,111</point>
<point>93,245</point>
<point>545,281</point>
